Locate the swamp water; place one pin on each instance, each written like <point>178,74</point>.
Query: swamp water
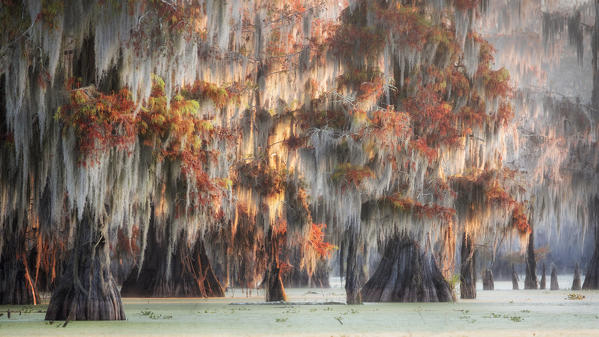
<point>502,312</point>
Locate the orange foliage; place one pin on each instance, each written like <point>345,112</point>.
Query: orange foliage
<point>100,121</point>
<point>409,25</point>
<point>520,220</point>
<point>421,146</point>
<point>497,195</point>
<point>433,121</point>
<point>389,128</point>
<point>466,4</point>
<point>350,174</point>
<point>261,177</point>
<point>220,96</point>
<point>429,211</point>
<point>316,240</point>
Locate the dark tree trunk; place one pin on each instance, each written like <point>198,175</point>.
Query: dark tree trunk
<point>189,273</point>
<point>515,279</point>
<point>445,256</point>
<point>341,259</point>
<point>275,292</point>
<point>530,281</point>
<point>407,274</point>
<point>352,286</point>
<point>554,284</point>
<point>591,280</point>
<point>488,282</point>
<point>16,283</point>
<point>543,284</point>
<point>87,291</point>
<point>298,277</point>
<point>467,269</point>
<point>576,281</point>
<point>274,289</point>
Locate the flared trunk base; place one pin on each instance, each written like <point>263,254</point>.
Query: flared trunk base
<point>407,274</point>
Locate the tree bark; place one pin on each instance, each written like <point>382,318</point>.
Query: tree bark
<point>467,269</point>
<point>576,281</point>
<point>275,291</point>
<point>87,291</point>
<point>591,280</point>
<point>543,284</point>
<point>189,273</point>
<point>445,256</point>
<point>488,282</point>
<point>352,286</point>
<point>17,285</point>
<point>530,281</point>
<point>407,274</point>
<point>554,284</point>
<point>515,279</point>
<point>298,277</point>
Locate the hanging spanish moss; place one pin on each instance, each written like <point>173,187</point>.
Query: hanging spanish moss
<point>190,148</point>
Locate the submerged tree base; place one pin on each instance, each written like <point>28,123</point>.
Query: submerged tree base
<point>467,268</point>
<point>591,280</point>
<point>87,290</point>
<point>406,274</point>
<point>488,282</point>
<point>189,273</point>
<point>16,287</point>
<point>95,297</point>
<point>275,292</point>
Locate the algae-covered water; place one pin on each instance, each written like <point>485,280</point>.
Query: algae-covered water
<point>494,313</point>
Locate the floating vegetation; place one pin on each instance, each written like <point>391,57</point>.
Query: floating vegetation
<point>152,315</point>
<point>575,297</point>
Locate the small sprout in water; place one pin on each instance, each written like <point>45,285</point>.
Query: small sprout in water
<point>281,320</point>
<point>339,319</point>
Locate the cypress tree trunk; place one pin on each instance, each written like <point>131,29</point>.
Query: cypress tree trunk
<point>17,285</point>
<point>87,291</point>
<point>488,282</point>
<point>298,277</point>
<point>352,287</point>
<point>554,284</point>
<point>467,269</point>
<point>341,259</point>
<point>530,281</point>
<point>591,280</point>
<point>407,274</point>
<point>576,281</point>
<point>543,284</point>
<point>515,279</point>
<point>275,291</point>
<point>445,256</point>
<point>189,273</point>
